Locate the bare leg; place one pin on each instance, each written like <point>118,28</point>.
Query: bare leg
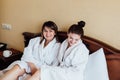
<point>13,73</point>
<point>3,72</point>
<point>35,76</point>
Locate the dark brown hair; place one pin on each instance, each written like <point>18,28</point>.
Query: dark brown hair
<point>51,25</point>
<point>77,28</point>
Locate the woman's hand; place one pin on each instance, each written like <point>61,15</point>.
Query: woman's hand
<point>33,68</point>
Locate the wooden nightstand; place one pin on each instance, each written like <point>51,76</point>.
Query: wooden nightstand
<point>4,62</point>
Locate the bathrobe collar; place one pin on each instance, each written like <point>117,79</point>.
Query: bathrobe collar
<point>51,43</point>
<point>64,51</point>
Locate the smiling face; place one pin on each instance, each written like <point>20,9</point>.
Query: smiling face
<point>48,33</point>
<point>73,38</point>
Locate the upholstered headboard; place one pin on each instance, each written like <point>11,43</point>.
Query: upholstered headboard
<point>112,54</point>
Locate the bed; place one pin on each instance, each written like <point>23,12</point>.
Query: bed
<point>112,55</point>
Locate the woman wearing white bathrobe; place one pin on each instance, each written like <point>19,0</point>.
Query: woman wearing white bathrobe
<point>73,57</point>
<point>40,51</point>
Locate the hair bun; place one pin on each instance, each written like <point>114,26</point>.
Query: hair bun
<point>81,24</point>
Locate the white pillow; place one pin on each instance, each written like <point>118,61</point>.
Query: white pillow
<point>96,68</point>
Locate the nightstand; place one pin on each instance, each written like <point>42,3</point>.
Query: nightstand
<point>3,46</point>
<point>6,61</point>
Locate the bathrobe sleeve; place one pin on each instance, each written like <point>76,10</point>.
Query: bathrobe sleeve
<point>80,59</point>
<point>28,51</point>
<point>26,57</point>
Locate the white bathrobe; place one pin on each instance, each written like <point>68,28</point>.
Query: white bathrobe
<point>72,63</point>
<point>38,54</point>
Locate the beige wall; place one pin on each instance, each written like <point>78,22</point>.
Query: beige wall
<point>102,18</point>
<point>0,19</point>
